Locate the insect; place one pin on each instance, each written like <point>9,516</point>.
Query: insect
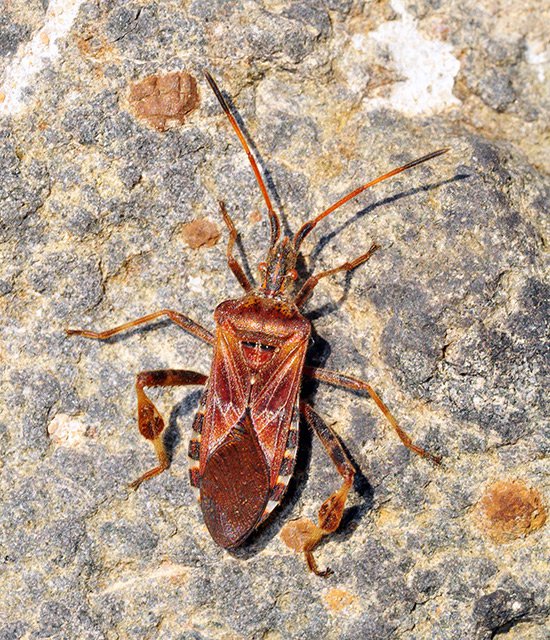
<point>245,433</point>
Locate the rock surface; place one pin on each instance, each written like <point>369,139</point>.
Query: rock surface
<point>448,320</point>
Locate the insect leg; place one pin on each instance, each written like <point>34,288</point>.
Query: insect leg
<point>178,318</point>
<point>233,264</point>
<point>312,281</point>
<point>303,535</point>
<point>355,384</point>
<point>150,422</point>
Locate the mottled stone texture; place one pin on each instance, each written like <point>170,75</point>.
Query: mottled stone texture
<point>447,320</point>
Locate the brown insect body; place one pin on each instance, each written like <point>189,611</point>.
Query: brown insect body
<point>243,449</point>
<point>249,427</point>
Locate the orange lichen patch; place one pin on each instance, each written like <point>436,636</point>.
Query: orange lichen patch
<point>200,233</point>
<point>161,99</point>
<point>338,599</point>
<point>510,509</point>
<point>295,533</point>
<point>93,45</point>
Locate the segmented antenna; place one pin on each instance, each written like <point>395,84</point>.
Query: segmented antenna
<point>273,218</point>
<point>306,228</point>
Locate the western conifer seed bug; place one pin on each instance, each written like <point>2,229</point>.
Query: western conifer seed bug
<point>245,433</point>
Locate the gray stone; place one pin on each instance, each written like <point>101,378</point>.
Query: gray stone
<point>11,35</point>
<point>496,90</point>
<point>122,19</point>
<point>447,321</point>
<point>13,631</point>
<point>502,608</point>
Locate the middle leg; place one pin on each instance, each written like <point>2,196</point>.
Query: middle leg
<point>304,535</point>
<point>150,422</point>
<point>355,384</point>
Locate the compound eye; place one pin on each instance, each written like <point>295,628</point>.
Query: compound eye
<point>262,267</point>
<point>292,274</point>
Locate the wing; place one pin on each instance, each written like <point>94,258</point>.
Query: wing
<point>273,400</point>
<point>269,393</point>
<point>227,393</point>
<point>235,486</point>
<point>248,434</point>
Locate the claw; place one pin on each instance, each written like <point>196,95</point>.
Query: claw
<point>312,565</point>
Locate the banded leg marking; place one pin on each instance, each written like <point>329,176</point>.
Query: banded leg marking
<point>194,478</point>
<point>150,422</point>
<point>194,452</point>
<point>287,466</point>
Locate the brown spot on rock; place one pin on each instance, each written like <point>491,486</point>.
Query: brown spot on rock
<point>510,509</point>
<point>200,233</point>
<point>338,599</point>
<point>255,216</point>
<point>161,99</point>
<point>93,45</point>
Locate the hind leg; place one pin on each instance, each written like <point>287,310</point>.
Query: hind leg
<point>150,422</point>
<point>304,535</point>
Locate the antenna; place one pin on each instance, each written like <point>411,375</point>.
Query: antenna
<point>273,218</point>
<point>306,228</point>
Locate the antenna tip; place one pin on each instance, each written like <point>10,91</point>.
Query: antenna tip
<point>215,88</point>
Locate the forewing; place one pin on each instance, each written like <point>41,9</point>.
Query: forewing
<point>272,402</point>
<point>227,393</point>
<point>235,486</point>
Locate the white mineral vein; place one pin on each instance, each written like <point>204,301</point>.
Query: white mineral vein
<point>428,67</point>
<point>33,56</point>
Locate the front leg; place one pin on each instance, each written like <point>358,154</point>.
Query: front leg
<point>150,422</point>
<point>355,384</point>
<point>304,535</point>
<point>235,267</point>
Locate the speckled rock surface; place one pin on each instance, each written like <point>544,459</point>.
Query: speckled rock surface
<point>447,321</point>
